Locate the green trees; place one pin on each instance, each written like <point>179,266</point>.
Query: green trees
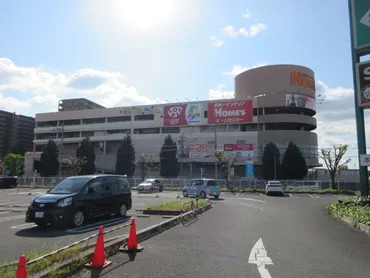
<point>14,162</point>
<point>271,162</point>
<point>145,163</point>
<point>293,165</point>
<point>225,163</point>
<point>168,158</point>
<point>332,159</point>
<point>86,152</point>
<point>49,162</point>
<point>125,163</point>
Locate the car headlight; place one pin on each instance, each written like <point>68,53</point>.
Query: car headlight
<point>65,202</point>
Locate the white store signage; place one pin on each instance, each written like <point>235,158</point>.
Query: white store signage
<point>365,160</point>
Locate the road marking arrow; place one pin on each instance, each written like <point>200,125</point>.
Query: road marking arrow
<point>259,257</point>
<point>365,20</point>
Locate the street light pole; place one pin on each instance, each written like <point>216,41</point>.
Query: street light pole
<point>216,171</point>
<point>60,152</point>
<point>275,165</point>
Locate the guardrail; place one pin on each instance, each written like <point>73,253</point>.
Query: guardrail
<point>69,246</point>
<point>178,183</point>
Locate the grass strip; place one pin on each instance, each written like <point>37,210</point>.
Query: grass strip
<point>358,208</point>
<point>177,205</point>
<point>51,262</point>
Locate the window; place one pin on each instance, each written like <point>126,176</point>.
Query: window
<point>170,130</point>
<point>144,117</point>
<point>67,186</point>
<point>154,130</point>
<point>47,124</point>
<point>93,121</point>
<point>115,131</point>
<point>87,134</point>
<point>205,114</point>
<point>122,183</point>
<point>119,119</point>
<point>70,122</point>
<point>110,183</point>
<point>96,185</point>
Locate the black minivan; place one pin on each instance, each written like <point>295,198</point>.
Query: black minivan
<point>75,199</point>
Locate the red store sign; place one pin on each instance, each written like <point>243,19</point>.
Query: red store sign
<point>230,112</point>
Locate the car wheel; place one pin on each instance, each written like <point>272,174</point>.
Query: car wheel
<point>161,189</point>
<point>78,218</point>
<point>203,195</point>
<point>122,210</point>
<point>185,193</point>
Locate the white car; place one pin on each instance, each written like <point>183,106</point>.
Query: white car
<point>274,187</point>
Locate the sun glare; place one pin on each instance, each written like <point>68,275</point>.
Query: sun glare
<point>145,14</point>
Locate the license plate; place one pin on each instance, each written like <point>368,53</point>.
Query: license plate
<point>39,214</point>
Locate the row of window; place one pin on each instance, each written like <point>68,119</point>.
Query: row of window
<point>149,117</point>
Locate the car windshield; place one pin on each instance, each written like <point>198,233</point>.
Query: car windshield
<point>148,181</point>
<point>275,184</point>
<point>68,186</point>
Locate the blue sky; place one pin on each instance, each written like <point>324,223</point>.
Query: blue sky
<point>56,49</point>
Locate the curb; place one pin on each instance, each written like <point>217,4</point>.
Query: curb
<point>161,212</point>
<point>350,221</point>
<point>112,245</point>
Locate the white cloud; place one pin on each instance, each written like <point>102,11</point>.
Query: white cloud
<point>237,69</point>
<point>251,31</point>
<point>40,90</point>
<point>247,14</point>
<point>216,42</point>
<point>220,93</point>
<point>335,116</point>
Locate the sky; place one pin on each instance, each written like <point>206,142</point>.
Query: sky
<point>126,52</point>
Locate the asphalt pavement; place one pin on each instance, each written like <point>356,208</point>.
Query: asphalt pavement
<point>18,237</point>
<point>252,235</point>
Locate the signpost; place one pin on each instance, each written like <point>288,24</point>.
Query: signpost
<point>363,83</point>
<point>359,12</point>
<point>360,19</point>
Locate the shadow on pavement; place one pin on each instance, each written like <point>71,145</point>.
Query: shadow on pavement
<point>95,273</point>
<point>37,232</point>
<point>190,221</point>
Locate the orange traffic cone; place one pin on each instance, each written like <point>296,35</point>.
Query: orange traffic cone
<point>132,244</point>
<point>21,270</point>
<point>98,260</point>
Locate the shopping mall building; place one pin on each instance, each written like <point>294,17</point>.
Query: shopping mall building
<point>271,104</point>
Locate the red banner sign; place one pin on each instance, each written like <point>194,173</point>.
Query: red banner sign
<point>230,112</point>
<point>182,114</point>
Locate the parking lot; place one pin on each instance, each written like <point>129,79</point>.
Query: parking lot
<point>18,237</point>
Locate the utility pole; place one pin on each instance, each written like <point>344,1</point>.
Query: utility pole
<point>215,128</point>
<point>57,131</point>
<point>181,142</point>
<point>275,165</point>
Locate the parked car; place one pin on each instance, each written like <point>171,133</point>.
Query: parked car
<point>274,187</point>
<point>304,185</point>
<point>8,182</point>
<point>76,199</point>
<point>201,188</point>
<point>150,185</point>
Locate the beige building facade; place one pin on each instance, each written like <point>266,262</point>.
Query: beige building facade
<point>271,104</point>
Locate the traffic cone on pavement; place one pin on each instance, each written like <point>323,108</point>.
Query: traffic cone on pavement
<point>132,244</point>
<point>98,260</point>
<point>21,270</point>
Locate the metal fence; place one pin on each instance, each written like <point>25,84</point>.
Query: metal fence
<point>180,182</point>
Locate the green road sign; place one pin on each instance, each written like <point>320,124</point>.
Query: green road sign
<point>361,23</point>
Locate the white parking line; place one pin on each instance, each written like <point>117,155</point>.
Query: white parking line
<point>24,226</point>
<point>248,199</point>
<point>252,206</point>
<point>313,196</point>
<point>11,218</point>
